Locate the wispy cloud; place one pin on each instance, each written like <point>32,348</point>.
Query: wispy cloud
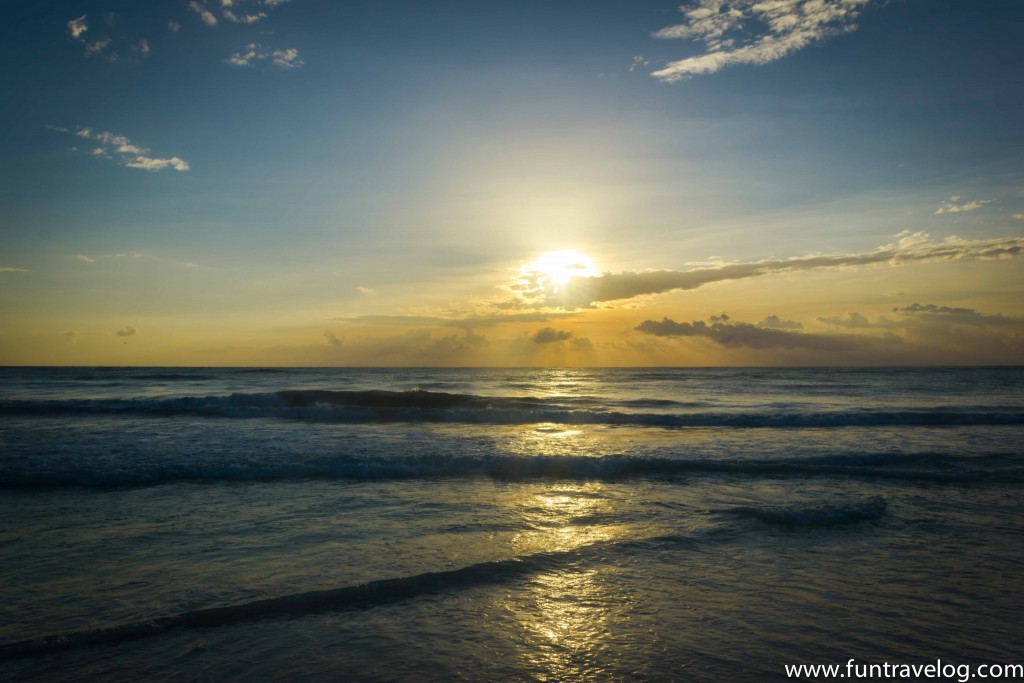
<point>122,150</point>
<point>754,31</point>
<point>8,269</point>
<point>367,291</point>
<point>127,331</point>
<point>255,53</point>
<point>587,292</point>
<point>957,204</point>
<point>83,258</point>
<point>331,338</point>
<point>638,61</point>
<point>71,336</point>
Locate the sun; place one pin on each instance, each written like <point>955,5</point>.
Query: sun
<point>556,268</point>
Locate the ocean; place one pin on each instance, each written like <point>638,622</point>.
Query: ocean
<point>207,524</point>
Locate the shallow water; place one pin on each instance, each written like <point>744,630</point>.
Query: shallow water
<point>183,524</point>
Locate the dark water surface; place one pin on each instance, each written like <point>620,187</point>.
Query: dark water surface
<point>657,524</point>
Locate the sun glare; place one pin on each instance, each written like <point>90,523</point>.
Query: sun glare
<point>558,267</point>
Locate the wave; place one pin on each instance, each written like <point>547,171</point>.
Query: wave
<point>820,515</point>
<point>363,596</point>
<point>935,468</point>
<point>429,406</point>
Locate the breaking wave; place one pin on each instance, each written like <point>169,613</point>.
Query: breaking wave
<point>429,406</point>
<point>936,468</point>
<point>818,515</point>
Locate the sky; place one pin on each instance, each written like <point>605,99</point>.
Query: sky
<point>498,183</point>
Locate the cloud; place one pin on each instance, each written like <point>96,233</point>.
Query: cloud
<point>254,53</point>
<point>83,258</point>
<point>467,322</point>
<point>957,204</point>
<point>122,150</point>
<point>853,320</point>
<point>773,322</point>
<point>923,319</point>
<point>77,29</point>
<point>550,335</point>
<point>754,31</point>
<point>173,26</point>
<point>244,18</point>
<point>8,269</point>
<point>204,14</point>
<point>582,344</point>
<point>127,331</point>
<point>332,338</point>
<point>1019,216</point>
<point>588,291</point>
<point>413,348</point>
<point>367,291</point>
<point>740,334</point>
<point>286,59</point>
<point>71,336</point>
<point>638,61</point>
<point>954,316</point>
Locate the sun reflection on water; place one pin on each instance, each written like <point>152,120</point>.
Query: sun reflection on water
<point>562,616</point>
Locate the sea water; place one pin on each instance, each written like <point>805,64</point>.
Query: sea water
<point>506,524</point>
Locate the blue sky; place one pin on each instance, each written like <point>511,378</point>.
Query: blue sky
<point>281,178</point>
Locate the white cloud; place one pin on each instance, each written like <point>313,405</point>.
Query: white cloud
<point>8,269</point>
<point>120,148</point>
<point>204,14</point>
<point>127,331</point>
<point>76,27</point>
<point>287,59</point>
<point>367,291</point>
<point>83,258</point>
<point>254,52</point>
<point>142,47</point>
<point>173,26</point>
<point>1019,216</point>
<point>754,31</point>
<point>957,204</point>
<point>244,18</point>
<point>245,58</point>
